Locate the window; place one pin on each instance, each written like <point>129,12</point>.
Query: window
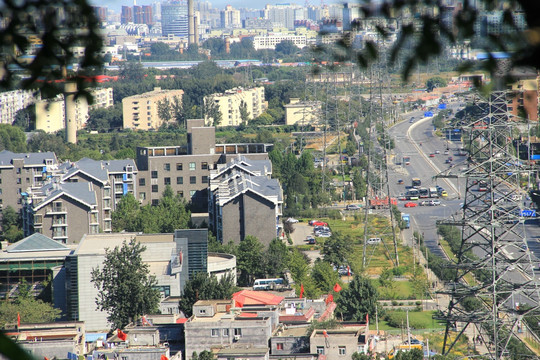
<point>192,179</point>
<point>155,202</point>
<point>167,181</point>
<point>155,188</point>
<point>18,170</point>
<point>204,179</point>
<point>142,196</point>
<point>279,346</point>
<point>202,311</point>
<point>18,180</point>
<point>204,166</point>
<point>320,350</point>
<point>215,332</point>
<point>107,192</point>
<point>225,332</point>
<point>191,166</point>
<point>237,332</point>
<point>142,182</point>
<point>192,193</point>
<point>0,191</point>
<point>179,180</point>
<point>180,193</point>
<point>179,166</point>
<point>342,350</point>
<point>167,167</point>
<point>154,174</point>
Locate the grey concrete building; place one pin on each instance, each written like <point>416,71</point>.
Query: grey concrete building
<point>187,168</point>
<point>340,343</point>
<point>110,179</point>
<point>20,172</point>
<point>212,329</point>
<point>244,200</point>
<point>292,340</point>
<point>63,212</point>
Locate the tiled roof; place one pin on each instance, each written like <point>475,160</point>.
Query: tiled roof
<point>250,297</point>
<point>6,157</point>
<point>36,242</point>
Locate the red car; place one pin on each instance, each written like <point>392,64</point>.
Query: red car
<point>410,204</point>
<point>319,223</point>
<point>432,155</point>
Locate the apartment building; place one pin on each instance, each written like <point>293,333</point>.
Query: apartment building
<point>523,93</point>
<point>302,112</point>
<point>230,18</point>
<point>50,114</point>
<point>140,112</point>
<point>110,179</point>
<point>63,212</point>
<point>244,200</point>
<point>270,41</point>
<point>187,168</point>
<point>230,102</point>
<point>22,172</point>
<point>13,101</point>
<point>335,344</point>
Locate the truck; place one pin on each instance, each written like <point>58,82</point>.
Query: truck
<point>381,203</point>
<point>433,193</point>
<point>407,220</point>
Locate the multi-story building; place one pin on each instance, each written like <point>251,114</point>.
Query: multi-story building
<point>13,101</point>
<point>50,114</point>
<point>340,343</point>
<point>101,13</point>
<point>187,168</point>
<point>63,212</point>
<point>230,18</point>
<point>127,15</point>
<point>270,41</point>
<point>140,112</point>
<point>283,14</point>
<point>174,18</point>
<point>302,112</point>
<point>22,172</point>
<point>523,93</point>
<point>230,102</point>
<point>244,200</point>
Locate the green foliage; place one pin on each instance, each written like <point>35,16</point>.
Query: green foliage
<point>249,260</point>
<point>337,249</point>
<point>357,300</point>
<point>12,138</point>
<point>29,309</point>
<point>105,119</point>
<point>126,288</point>
<point>414,354</point>
<point>435,82</point>
<point>276,258</point>
<point>170,214</point>
<point>25,118</point>
<point>286,47</point>
<point>324,276</point>
<point>11,225</point>
<point>452,235</point>
<point>205,287</point>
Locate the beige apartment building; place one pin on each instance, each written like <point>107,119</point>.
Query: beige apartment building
<point>229,104</point>
<point>140,112</point>
<point>302,112</point>
<point>50,114</point>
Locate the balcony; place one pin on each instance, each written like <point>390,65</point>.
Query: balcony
<point>56,210</point>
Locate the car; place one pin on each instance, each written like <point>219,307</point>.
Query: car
<point>434,202</point>
<point>317,223</point>
<point>448,161</point>
<point>432,155</point>
<point>291,220</point>
<point>523,247</point>
<point>400,182</point>
<point>352,207</point>
<point>310,240</point>
<point>424,203</point>
<point>402,197</point>
<point>450,158</point>
<point>446,152</point>
<point>372,241</point>
<point>325,234</point>
<point>411,120</point>
<point>444,193</point>
<point>437,152</point>
<point>410,204</point>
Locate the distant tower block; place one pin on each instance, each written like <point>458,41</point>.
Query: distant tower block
<point>191,23</point>
<point>70,89</point>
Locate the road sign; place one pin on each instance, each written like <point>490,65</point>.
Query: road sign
<point>528,213</point>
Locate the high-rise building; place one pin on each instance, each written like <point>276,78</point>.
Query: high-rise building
<point>174,19</point>
<point>13,101</point>
<point>147,15</point>
<point>283,14</point>
<point>101,13</point>
<point>127,15</point>
<point>230,18</point>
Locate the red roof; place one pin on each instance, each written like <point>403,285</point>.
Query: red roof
<point>247,315</point>
<point>250,297</point>
<point>181,320</point>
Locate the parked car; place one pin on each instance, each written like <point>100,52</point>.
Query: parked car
<point>291,220</point>
<point>437,152</point>
<point>310,240</point>
<point>318,223</point>
<point>410,204</point>
<point>325,234</point>
<point>400,182</point>
<point>372,241</point>
<point>352,207</point>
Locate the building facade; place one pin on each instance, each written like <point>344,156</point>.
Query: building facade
<point>302,112</point>
<point>174,18</point>
<point>13,101</point>
<point>270,41</point>
<point>230,18</point>
<point>229,104</point>
<point>141,112</point>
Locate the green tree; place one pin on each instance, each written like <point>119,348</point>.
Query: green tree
<point>244,113</point>
<point>205,287</point>
<point>324,275</point>
<point>126,288</point>
<point>172,212</point>
<point>12,138</point>
<point>358,299</point>
<point>359,356</point>
<point>435,82</point>
<point>126,210</point>
<point>211,111</point>
<point>164,110</point>
<point>414,354</point>
<point>26,118</point>
<point>276,258</point>
<point>249,260</point>
<point>160,49</point>
<point>105,119</point>
<point>286,47</point>
<point>11,225</point>
<point>336,249</point>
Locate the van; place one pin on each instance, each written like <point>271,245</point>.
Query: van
<point>374,240</point>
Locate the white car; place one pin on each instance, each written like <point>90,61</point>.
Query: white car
<point>291,220</point>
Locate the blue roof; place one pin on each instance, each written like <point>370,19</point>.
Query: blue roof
<point>36,242</point>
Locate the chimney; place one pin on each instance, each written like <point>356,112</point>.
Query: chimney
<point>70,88</point>
<point>191,29</point>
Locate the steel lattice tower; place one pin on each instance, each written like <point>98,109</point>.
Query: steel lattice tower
<point>493,263</point>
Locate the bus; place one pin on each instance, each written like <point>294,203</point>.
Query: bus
<point>412,194</point>
<point>268,284</point>
<point>416,182</point>
<point>423,193</point>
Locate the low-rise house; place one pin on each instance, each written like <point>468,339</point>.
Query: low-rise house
<point>342,342</point>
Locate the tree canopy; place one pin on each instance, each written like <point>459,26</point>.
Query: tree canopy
<point>205,287</point>
<point>358,299</point>
<point>126,288</point>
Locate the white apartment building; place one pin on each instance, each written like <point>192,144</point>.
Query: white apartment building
<point>271,40</point>
<point>50,114</point>
<point>229,104</point>
<point>13,101</point>
<point>230,18</point>
<point>285,14</point>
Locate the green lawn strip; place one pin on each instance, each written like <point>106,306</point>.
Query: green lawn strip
<point>419,320</point>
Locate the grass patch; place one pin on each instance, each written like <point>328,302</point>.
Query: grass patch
<point>419,320</point>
